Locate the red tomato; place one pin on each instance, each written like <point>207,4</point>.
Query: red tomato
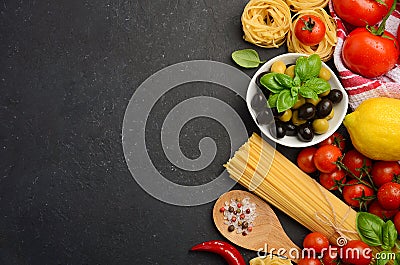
<point>305,160</point>
<point>356,194</point>
<point>384,171</point>
<point>396,221</point>
<point>356,252</point>
<point>370,55</point>
<point>329,180</point>
<point>325,158</point>
<point>389,196</point>
<point>361,12</point>
<point>309,30</point>
<point>377,209</point>
<point>330,257</point>
<point>354,161</point>
<point>335,139</point>
<point>309,261</point>
<point>316,241</point>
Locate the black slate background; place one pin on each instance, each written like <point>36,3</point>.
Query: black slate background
<point>67,72</point>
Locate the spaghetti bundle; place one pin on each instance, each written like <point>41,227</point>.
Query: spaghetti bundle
<point>297,5</point>
<point>260,168</point>
<point>326,47</point>
<point>266,22</point>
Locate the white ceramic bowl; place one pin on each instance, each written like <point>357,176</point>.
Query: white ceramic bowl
<point>340,109</point>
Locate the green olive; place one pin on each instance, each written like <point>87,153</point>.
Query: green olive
<point>325,74</point>
<point>278,67</point>
<point>295,118</point>
<point>286,116</point>
<point>300,101</point>
<point>290,71</point>
<point>320,126</point>
<point>313,101</point>
<point>330,116</point>
<point>325,93</point>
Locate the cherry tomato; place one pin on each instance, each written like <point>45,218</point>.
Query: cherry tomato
<point>356,252</point>
<point>396,221</point>
<point>309,261</point>
<point>335,139</point>
<point>369,55</point>
<point>325,158</point>
<point>384,171</point>
<point>305,159</point>
<point>329,180</point>
<point>309,30</point>
<point>389,196</point>
<point>354,161</point>
<point>356,193</point>
<point>361,12</point>
<point>331,256</point>
<point>316,241</point>
<point>377,209</point>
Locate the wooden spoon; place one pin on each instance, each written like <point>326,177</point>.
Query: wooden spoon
<point>267,232</point>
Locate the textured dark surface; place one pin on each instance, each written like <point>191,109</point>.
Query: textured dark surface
<point>67,72</point>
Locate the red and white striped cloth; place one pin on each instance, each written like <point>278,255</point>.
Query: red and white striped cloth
<point>360,88</point>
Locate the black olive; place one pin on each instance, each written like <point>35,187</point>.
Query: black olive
<point>324,108</point>
<point>306,111</point>
<point>265,117</point>
<point>276,113</point>
<point>291,129</point>
<point>279,130</point>
<point>258,102</point>
<point>305,133</point>
<point>335,96</point>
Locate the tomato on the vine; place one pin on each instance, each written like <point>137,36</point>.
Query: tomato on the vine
<point>389,196</point>
<point>368,54</point>
<point>316,241</point>
<point>396,221</point>
<point>331,257</point>
<point>305,159</point>
<point>378,210</point>
<point>354,161</point>
<point>309,30</point>
<point>330,180</point>
<point>325,158</point>
<point>309,261</point>
<point>384,171</point>
<point>356,252</point>
<point>362,12</point>
<point>335,139</point>
<point>357,194</point>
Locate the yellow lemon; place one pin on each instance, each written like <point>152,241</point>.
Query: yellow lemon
<point>374,128</point>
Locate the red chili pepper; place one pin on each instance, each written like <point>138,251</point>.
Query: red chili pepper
<point>226,250</point>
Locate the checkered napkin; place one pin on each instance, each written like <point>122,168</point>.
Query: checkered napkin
<point>360,88</point>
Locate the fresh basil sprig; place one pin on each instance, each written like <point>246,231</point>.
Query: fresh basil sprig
<point>376,232</point>
<point>285,90</point>
<point>247,58</point>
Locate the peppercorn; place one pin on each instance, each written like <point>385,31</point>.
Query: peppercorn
<point>231,209</point>
<point>247,211</point>
<point>231,228</point>
<point>238,211</point>
<point>245,225</point>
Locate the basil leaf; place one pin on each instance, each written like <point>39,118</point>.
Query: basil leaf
<point>294,91</point>
<point>397,259</point>
<point>272,100</point>
<point>283,80</point>
<point>369,227</point>
<point>247,58</point>
<point>314,65</point>
<point>307,92</point>
<point>296,81</point>
<point>384,257</point>
<point>307,68</point>
<point>285,100</point>
<point>300,69</point>
<point>269,81</point>
<point>318,85</point>
<point>389,235</point>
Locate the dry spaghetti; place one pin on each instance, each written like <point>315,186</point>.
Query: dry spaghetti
<point>261,169</point>
<point>326,47</point>
<point>266,22</point>
<point>297,5</point>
